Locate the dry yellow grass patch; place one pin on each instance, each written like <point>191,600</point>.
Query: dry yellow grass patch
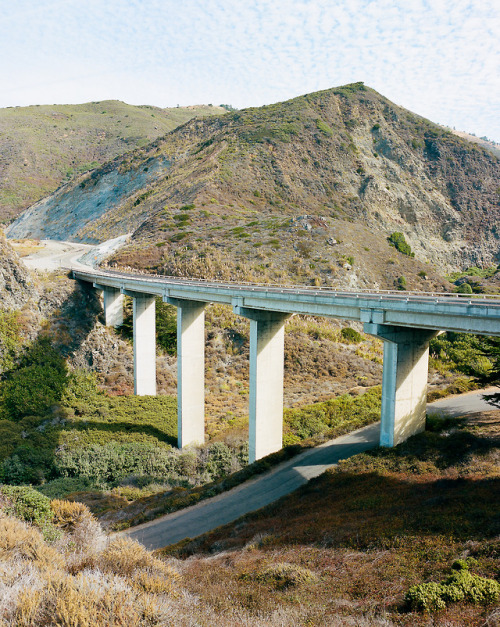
<point>18,540</point>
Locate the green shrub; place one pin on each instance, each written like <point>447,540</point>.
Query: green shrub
<point>461,586</point>
<point>166,325</point>
<point>324,128</point>
<point>465,288</point>
<point>28,465</point>
<point>27,504</point>
<point>10,339</point>
<point>332,416</point>
<point>220,460</point>
<point>399,242</point>
<point>473,355</point>
<point>351,335</point>
<point>63,486</point>
<point>112,462</point>
<point>401,283</point>
<point>37,383</point>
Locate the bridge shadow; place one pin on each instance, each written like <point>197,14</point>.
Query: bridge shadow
<point>435,488</point>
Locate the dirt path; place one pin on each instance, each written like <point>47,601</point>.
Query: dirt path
<point>56,254</point>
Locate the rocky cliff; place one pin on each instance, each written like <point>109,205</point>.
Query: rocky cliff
<point>16,285</point>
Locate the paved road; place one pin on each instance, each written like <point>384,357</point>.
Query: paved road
<point>285,478</point>
<point>254,494</point>
<point>56,254</point>
<point>464,403</point>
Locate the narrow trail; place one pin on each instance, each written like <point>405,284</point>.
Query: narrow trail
<point>281,480</point>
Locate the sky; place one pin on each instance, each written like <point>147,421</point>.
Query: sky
<point>438,58</point>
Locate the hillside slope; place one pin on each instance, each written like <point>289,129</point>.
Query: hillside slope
<point>44,146</point>
<point>346,548</point>
<point>16,286</point>
<point>302,191</point>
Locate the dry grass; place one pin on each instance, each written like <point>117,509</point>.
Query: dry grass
<point>342,551</point>
<point>80,580</point>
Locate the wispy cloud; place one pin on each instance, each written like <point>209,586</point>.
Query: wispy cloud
<point>440,58</point>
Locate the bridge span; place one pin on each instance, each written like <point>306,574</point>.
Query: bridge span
<point>405,321</point>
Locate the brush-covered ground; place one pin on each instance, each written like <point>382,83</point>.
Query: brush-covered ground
<point>405,536</point>
<point>57,567</point>
<point>44,146</point>
<point>362,544</point>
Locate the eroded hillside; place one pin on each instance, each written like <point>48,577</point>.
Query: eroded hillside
<point>42,147</point>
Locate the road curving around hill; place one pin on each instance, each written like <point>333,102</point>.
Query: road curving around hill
<point>281,480</point>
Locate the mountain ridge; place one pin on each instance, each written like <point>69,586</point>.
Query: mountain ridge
<point>246,185</point>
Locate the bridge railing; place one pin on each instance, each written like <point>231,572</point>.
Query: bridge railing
<point>480,299</point>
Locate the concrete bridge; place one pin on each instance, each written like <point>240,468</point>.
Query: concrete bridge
<point>404,321</point>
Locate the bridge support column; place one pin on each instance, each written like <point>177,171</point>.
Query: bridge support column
<point>113,307</point>
<point>404,381</point>
<point>144,344</point>
<point>190,371</point>
<point>267,337</point>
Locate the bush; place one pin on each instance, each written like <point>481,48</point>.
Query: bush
<point>68,514</point>
<point>28,464</point>
<point>19,540</point>
<point>465,288</point>
<point>331,417</point>
<point>324,128</point>
<point>37,383</point>
<point>399,242</point>
<point>473,355</point>
<point>166,321</point>
<point>124,557</point>
<point>220,460</point>
<point>10,340</point>
<point>27,504</point>
<point>282,576</point>
<point>401,283</point>
<point>351,335</point>
<point>112,462</point>
<point>462,585</point>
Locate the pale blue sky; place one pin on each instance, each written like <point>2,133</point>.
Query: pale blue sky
<point>439,58</point>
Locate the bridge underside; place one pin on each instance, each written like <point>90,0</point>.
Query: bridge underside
<point>405,325</point>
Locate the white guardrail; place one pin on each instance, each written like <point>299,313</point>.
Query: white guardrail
<point>490,300</point>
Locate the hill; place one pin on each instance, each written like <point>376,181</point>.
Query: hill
<point>303,191</point>
<point>43,146</point>
<point>486,143</point>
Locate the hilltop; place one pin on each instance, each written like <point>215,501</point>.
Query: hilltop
<point>44,146</point>
<point>304,191</point>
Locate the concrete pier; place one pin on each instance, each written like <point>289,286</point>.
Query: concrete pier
<point>190,371</point>
<point>144,344</point>
<point>404,380</point>
<point>267,337</point>
<point>113,307</point>
<point>405,321</point>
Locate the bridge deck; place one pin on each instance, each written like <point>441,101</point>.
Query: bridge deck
<point>440,311</point>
